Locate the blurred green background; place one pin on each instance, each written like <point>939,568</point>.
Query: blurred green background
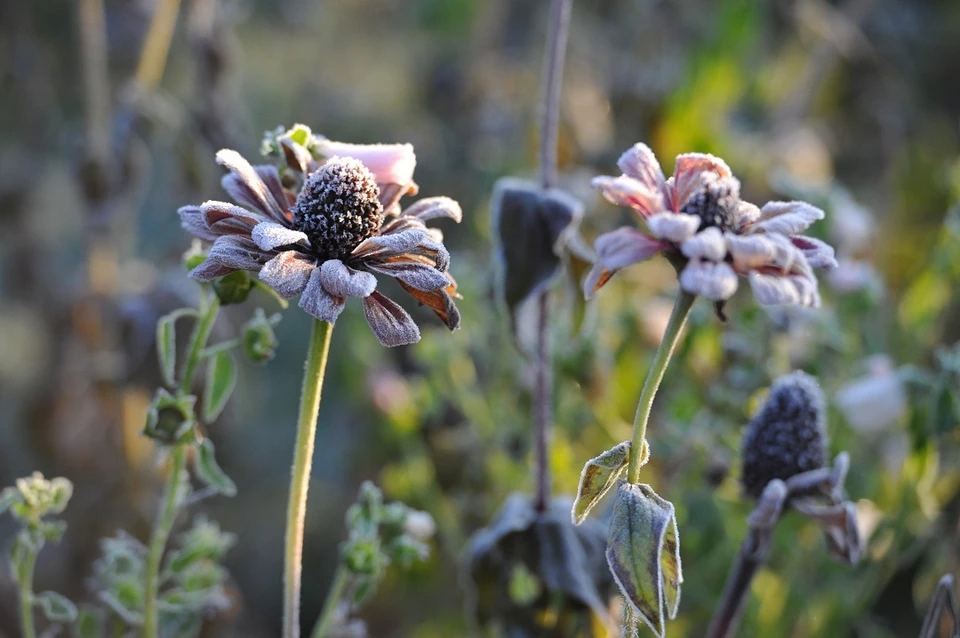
<point>853,105</point>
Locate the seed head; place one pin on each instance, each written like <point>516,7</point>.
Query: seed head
<point>787,436</point>
<point>714,203</point>
<point>338,207</point>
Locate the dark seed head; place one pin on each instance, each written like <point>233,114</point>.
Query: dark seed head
<point>787,436</point>
<point>338,207</point>
<point>714,203</point>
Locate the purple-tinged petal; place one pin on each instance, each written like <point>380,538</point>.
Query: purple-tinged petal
<point>230,252</point>
<point>434,208</point>
<point>708,244</point>
<point>640,163</point>
<point>341,280</point>
<point>716,281</point>
<point>245,184</point>
<point>412,272</point>
<point>629,192</point>
<point>389,322</point>
<point>214,212</point>
<point>770,290</point>
<point>191,219</point>
<point>287,273</point>
<point>751,251</point>
<point>319,303</point>
<point>819,254</point>
<point>674,227</point>
<point>271,177</point>
<point>686,178</point>
<point>271,235</point>
<point>624,247</point>
<point>298,158</point>
<point>595,280</point>
<point>414,241</point>
<point>787,218</point>
<point>389,163</point>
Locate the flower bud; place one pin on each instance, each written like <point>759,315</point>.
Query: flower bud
<point>787,436</point>
<point>233,288</point>
<point>259,339</point>
<point>419,526</point>
<point>170,420</point>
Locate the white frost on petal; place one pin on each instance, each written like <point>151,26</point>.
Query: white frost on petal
<point>595,280</point>
<point>624,247</point>
<point>674,227</point>
<point>414,273</point>
<point>771,290</point>
<point>716,281</point>
<point>435,207</point>
<point>341,280</point>
<point>686,179</point>
<point>708,244</point>
<point>319,303</point>
<point>287,273</point>
<point>389,163</point>
<point>627,191</point>
<point>389,322</point>
<point>819,253</point>
<point>640,163</point>
<point>787,218</point>
<point>751,251</point>
<point>250,182</point>
<point>270,235</point>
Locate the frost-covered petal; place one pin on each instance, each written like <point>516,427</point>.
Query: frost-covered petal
<point>191,219</point>
<point>434,208</point>
<point>624,247</point>
<point>674,227</point>
<point>341,280</point>
<point>687,174</point>
<point>772,290</point>
<point>319,303</point>
<point>246,185</point>
<point>389,163</point>
<point>629,192</point>
<point>298,158</point>
<point>640,163</point>
<point>389,322</point>
<point>744,214</point>
<point>440,301</point>
<point>415,241</point>
<point>708,244</point>
<point>716,281</point>
<point>415,273</point>
<point>215,212</point>
<point>787,218</point>
<point>270,235</point>
<point>229,252</point>
<point>819,253</point>
<point>287,273</point>
<point>751,251</point>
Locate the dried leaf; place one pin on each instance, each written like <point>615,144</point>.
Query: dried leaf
<point>643,553</point>
<point>599,475</point>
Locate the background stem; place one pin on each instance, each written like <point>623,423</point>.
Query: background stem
<point>317,353</point>
<point>753,554</point>
<point>542,409</point>
<point>681,310</point>
<point>337,587</point>
<point>26,595</point>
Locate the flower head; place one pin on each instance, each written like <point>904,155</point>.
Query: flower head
<point>327,228</point>
<point>697,219</point>
<point>787,436</point>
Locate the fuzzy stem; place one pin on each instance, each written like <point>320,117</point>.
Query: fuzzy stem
<point>337,587</point>
<point>752,556</point>
<point>552,79</point>
<point>170,505</point>
<point>542,415</point>
<point>26,595</point>
<point>681,310</point>
<point>300,475</point>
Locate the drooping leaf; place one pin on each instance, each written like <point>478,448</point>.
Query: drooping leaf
<point>599,475</point>
<point>643,552</point>
<point>209,471</point>
<point>55,607</point>
<point>167,344</point>
<point>221,380</point>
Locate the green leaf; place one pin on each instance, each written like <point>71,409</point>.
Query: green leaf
<point>89,624</point>
<point>209,471</point>
<point>599,475</point>
<point>221,380</point>
<point>8,497</point>
<point>643,553</point>
<point>56,607</point>
<point>167,344</point>
<point>53,531</point>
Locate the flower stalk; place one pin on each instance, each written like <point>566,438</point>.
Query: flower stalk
<point>317,354</point>
<point>170,505</point>
<point>681,310</point>
<point>337,588</point>
<point>26,592</point>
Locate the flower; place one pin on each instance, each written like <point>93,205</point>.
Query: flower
<point>697,219</point>
<point>327,227</point>
<point>876,402</point>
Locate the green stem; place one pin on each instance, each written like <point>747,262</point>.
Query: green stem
<point>168,508</point>
<point>337,587</point>
<point>300,474</point>
<point>26,595</point>
<point>681,310</point>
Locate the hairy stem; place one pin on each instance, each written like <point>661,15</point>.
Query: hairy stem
<point>317,353</point>
<point>752,556</point>
<point>170,504</point>
<point>337,588</point>
<point>26,594</point>
<point>681,310</point>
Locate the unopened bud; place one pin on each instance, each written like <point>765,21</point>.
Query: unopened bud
<point>259,339</point>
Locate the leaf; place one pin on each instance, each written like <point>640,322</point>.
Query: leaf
<point>89,624</point>
<point>599,475</point>
<point>8,497</point>
<point>167,344</point>
<point>643,553</point>
<point>530,226</point>
<point>56,607</point>
<point>221,380</point>
<point>209,471</point>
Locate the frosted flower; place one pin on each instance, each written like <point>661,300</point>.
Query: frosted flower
<point>328,238</point>
<point>876,402</point>
<point>697,219</point>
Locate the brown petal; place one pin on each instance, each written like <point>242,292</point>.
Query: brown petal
<point>412,272</point>
<point>596,279</point>
<point>389,322</point>
<point>319,303</point>
<point>246,185</point>
<point>298,158</point>
<point>440,302</point>
<point>229,253</point>
<point>191,219</point>
<point>287,273</point>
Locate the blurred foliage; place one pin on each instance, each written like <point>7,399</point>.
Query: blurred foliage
<point>808,97</point>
